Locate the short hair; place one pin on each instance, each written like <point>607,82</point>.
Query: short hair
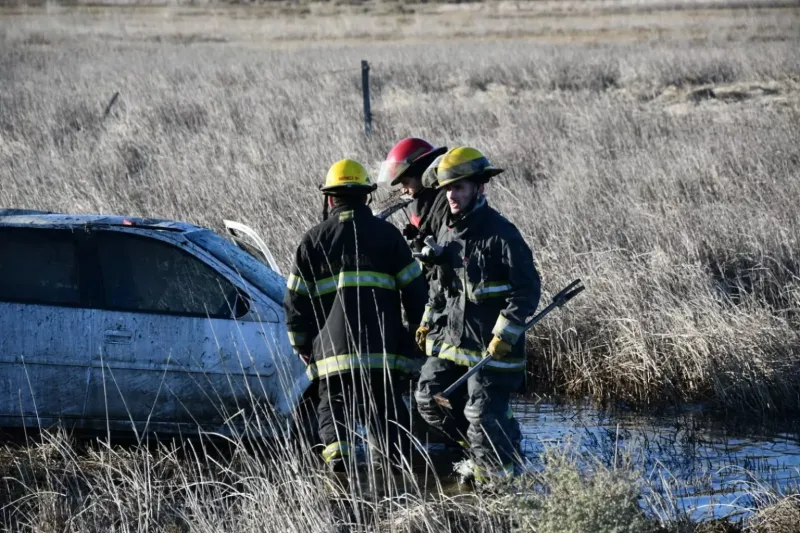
<point>350,200</point>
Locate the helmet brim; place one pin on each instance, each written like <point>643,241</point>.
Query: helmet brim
<point>348,190</point>
<point>479,177</point>
<point>430,179</point>
<point>419,165</point>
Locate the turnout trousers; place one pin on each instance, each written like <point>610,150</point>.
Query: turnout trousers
<point>373,398</point>
<point>481,418</point>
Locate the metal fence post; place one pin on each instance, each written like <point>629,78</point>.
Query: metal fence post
<point>365,90</point>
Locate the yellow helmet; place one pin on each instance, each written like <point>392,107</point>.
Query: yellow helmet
<point>462,163</point>
<point>347,177</point>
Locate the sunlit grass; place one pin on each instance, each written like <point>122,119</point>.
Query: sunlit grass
<point>56,484</point>
<point>663,173</point>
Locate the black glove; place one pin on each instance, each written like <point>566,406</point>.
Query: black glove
<point>410,232</point>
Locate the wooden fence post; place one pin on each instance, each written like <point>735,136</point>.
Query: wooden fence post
<point>365,90</point>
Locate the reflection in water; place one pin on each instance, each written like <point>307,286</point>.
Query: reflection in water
<point>709,470</point>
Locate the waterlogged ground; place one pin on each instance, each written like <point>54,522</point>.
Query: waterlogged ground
<point>688,465</point>
<point>711,469</point>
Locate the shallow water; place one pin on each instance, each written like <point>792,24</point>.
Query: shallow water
<point>710,470</point>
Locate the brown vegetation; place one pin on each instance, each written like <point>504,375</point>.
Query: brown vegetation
<point>56,485</point>
<point>656,155</point>
<point>663,172</point>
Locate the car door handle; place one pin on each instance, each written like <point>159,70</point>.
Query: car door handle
<point>118,336</point>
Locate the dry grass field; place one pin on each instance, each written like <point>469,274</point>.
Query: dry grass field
<point>54,486</point>
<point>653,149</point>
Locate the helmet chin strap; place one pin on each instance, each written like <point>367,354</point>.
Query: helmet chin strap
<point>470,207</point>
<point>475,198</point>
<point>324,207</point>
<point>472,203</point>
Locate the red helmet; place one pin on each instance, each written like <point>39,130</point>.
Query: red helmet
<point>409,157</point>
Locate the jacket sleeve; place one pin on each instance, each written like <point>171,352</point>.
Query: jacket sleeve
<point>410,282</point>
<point>523,298</point>
<point>436,301</point>
<point>297,303</point>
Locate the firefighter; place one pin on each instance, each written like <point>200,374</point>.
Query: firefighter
<point>405,165</point>
<point>343,302</point>
<point>411,163</point>
<point>486,286</point>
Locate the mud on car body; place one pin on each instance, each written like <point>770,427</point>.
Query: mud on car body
<point>111,323</point>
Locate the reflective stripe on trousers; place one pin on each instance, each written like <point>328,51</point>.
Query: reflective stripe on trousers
<point>337,450</point>
<point>339,364</point>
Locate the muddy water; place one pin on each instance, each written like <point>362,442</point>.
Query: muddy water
<point>710,469</point>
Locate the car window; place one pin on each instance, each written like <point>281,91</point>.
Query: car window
<point>148,275</point>
<point>38,266</point>
<point>257,273</point>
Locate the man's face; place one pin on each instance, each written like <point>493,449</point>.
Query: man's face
<point>411,185</point>
<point>460,195</point>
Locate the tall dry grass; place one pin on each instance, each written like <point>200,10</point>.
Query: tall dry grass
<point>663,172</point>
<point>55,484</point>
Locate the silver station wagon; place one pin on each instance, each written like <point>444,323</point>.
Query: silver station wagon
<point>118,324</point>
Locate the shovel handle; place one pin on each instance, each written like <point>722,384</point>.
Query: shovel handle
<point>566,294</point>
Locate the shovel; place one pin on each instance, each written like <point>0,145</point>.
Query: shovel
<point>566,294</point>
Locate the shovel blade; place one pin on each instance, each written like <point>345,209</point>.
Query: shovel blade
<point>442,401</point>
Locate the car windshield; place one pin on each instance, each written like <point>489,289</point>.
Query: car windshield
<point>254,271</point>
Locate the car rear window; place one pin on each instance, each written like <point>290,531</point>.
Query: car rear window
<point>38,266</point>
<point>143,274</point>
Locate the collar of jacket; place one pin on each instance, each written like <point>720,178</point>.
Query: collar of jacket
<point>423,192</point>
<point>462,222</point>
<point>347,212</point>
<point>423,199</point>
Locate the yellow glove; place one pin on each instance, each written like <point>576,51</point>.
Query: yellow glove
<point>421,335</point>
<point>499,348</point>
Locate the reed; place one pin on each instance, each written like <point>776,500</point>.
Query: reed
<point>656,156</point>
